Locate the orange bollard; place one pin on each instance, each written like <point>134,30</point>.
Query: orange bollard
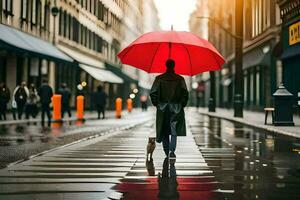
<point>118,107</point>
<point>56,102</point>
<point>129,105</point>
<point>80,108</point>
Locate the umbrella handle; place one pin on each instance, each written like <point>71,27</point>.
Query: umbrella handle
<point>170,49</point>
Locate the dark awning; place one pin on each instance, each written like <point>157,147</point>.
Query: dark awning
<point>256,57</point>
<point>12,38</point>
<point>291,51</point>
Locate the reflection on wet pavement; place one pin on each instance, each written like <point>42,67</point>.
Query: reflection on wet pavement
<point>216,160</point>
<point>252,163</point>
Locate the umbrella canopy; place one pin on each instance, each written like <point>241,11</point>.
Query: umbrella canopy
<point>192,54</point>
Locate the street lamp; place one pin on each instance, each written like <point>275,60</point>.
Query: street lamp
<point>54,12</point>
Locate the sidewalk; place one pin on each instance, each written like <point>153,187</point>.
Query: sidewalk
<point>87,115</point>
<point>255,119</point>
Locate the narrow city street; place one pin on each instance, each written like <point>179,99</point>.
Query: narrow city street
<point>217,159</point>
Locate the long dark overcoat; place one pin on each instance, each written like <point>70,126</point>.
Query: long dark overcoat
<point>169,94</point>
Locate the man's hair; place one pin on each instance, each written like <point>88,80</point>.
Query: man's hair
<point>170,64</point>
<point>45,80</point>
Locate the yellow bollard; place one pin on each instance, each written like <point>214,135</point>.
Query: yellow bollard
<point>80,108</point>
<point>129,105</point>
<point>56,103</point>
<point>118,108</point>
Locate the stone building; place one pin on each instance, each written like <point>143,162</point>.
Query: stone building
<point>261,67</point>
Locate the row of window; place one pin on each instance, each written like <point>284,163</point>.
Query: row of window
<point>98,9</point>
<point>36,12</point>
<point>73,30</point>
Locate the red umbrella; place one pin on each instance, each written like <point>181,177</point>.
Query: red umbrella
<point>192,54</point>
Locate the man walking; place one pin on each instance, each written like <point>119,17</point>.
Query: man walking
<point>65,93</point>
<point>45,92</point>
<point>100,101</point>
<point>169,94</point>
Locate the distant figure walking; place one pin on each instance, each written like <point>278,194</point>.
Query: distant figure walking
<point>170,95</point>
<point>45,92</point>
<point>144,100</point>
<point>100,101</point>
<point>65,93</point>
<point>31,108</point>
<point>4,99</point>
<point>20,96</point>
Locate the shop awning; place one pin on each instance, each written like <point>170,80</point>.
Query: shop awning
<point>259,56</point>
<point>14,39</point>
<point>101,74</point>
<point>291,51</point>
<point>145,85</point>
<point>92,66</point>
<point>118,72</point>
<point>81,58</point>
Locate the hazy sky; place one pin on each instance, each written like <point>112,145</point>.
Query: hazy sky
<point>175,12</point>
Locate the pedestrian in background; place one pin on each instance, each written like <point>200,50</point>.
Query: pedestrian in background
<point>4,99</point>
<point>170,95</point>
<point>65,93</point>
<point>143,100</point>
<point>31,108</point>
<point>20,96</point>
<point>45,92</point>
<point>100,101</point>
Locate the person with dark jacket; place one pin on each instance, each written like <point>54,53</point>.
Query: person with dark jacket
<point>100,101</point>
<point>45,92</point>
<point>65,93</point>
<point>20,96</point>
<point>170,95</point>
<point>4,99</point>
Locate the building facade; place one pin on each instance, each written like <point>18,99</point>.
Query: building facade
<point>81,39</point>
<point>261,36</point>
<point>290,41</point>
<point>21,20</point>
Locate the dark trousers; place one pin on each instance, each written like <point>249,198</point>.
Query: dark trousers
<point>20,108</point>
<point>66,108</point>
<point>100,109</point>
<point>31,110</point>
<point>46,110</point>
<point>3,110</point>
<point>169,139</point>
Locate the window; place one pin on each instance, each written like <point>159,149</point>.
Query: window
<point>38,12</point>
<point>42,23</point>
<point>7,6</point>
<point>61,22</point>
<point>47,17</point>
<point>24,8</point>
<point>33,12</point>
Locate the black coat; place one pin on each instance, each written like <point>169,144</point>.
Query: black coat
<point>45,92</point>
<point>100,99</point>
<point>169,94</point>
<point>65,95</point>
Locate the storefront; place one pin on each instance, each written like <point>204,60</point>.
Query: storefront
<point>257,65</point>
<point>291,55</point>
<point>24,57</point>
<point>90,73</point>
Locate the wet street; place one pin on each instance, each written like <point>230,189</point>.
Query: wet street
<point>217,159</point>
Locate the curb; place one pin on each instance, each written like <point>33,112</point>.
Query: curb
<point>262,127</point>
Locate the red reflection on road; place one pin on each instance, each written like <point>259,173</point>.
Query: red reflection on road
<point>168,186</point>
